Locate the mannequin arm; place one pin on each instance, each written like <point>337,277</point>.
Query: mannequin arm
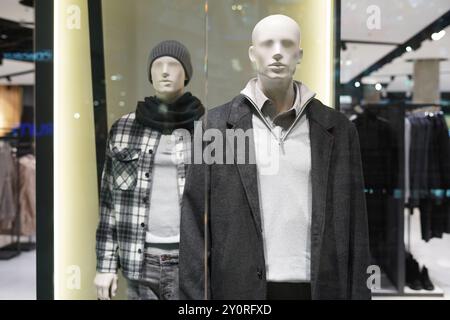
<point>106,237</point>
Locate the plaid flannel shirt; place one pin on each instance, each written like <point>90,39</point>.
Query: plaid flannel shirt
<point>126,193</point>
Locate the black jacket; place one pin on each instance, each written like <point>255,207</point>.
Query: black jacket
<point>236,265</point>
<point>379,152</point>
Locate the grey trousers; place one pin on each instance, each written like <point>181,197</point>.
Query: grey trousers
<point>160,275</point>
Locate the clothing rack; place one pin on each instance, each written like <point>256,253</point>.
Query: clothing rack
<point>14,248</point>
<point>411,109</point>
<point>395,278</point>
<point>428,109</point>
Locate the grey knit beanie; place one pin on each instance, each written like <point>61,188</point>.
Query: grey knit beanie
<point>174,49</point>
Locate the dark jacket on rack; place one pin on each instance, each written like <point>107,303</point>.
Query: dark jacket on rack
<point>236,263</point>
<point>439,154</point>
<point>379,152</point>
<point>433,187</point>
<point>419,156</point>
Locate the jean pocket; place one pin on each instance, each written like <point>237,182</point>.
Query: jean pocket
<point>125,166</point>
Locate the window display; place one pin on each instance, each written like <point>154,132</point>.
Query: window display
<point>206,51</point>
<point>270,150</point>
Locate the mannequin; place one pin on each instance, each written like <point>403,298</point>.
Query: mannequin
<point>155,119</point>
<point>299,232</point>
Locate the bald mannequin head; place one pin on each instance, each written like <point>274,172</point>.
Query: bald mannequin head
<point>276,22</point>
<point>275,49</point>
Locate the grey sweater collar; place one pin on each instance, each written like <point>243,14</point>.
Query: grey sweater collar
<point>255,94</point>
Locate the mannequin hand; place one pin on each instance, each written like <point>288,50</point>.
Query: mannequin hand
<point>104,282</point>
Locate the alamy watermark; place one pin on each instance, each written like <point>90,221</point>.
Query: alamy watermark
<point>231,146</point>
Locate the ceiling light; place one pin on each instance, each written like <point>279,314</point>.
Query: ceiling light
<point>378,87</point>
<point>408,49</point>
<point>438,35</point>
<point>357,84</point>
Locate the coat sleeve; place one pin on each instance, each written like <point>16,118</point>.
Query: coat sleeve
<point>359,254</point>
<point>194,241</point>
<point>106,235</point>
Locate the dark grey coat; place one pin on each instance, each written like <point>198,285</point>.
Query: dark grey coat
<point>236,266</point>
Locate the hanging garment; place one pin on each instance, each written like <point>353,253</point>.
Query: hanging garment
<point>379,154</point>
<point>27,195</point>
<point>430,173</point>
<point>436,206</point>
<point>420,141</point>
<point>7,187</point>
<point>407,155</point>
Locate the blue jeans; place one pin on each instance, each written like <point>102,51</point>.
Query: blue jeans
<point>159,275</point>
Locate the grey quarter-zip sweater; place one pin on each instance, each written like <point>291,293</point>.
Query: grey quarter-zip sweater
<point>283,158</point>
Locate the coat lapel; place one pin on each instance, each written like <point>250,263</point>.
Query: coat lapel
<point>241,118</point>
<point>321,147</point>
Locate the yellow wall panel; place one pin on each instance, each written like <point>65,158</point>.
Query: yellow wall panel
<point>75,195</point>
<point>315,18</point>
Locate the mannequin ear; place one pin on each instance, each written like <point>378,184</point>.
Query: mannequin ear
<point>300,55</point>
<point>251,54</point>
<point>186,78</point>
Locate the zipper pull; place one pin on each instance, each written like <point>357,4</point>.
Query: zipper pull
<point>281,145</point>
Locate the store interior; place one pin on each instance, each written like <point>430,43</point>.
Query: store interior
<point>17,152</point>
<point>395,83</point>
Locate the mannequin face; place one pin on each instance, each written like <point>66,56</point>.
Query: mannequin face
<point>168,78</point>
<point>275,50</point>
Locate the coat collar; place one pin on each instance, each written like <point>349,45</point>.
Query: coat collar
<point>315,110</point>
<point>254,93</point>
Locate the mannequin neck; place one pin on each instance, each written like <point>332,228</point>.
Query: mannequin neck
<point>169,97</point>
<point>280,91</point>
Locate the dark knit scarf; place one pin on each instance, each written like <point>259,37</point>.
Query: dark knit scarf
<point>180,114</point>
